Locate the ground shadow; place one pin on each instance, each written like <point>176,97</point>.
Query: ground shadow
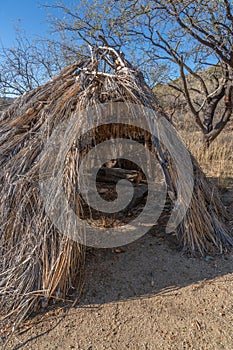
<point>146,267</point>
<point>150,266</point>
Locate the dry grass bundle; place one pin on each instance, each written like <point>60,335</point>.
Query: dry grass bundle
<point>37,261</point>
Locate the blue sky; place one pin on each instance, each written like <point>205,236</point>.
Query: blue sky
<point>27,14</point>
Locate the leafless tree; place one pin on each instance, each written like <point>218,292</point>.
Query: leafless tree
<point>184,36</point>
<point>30,63</point>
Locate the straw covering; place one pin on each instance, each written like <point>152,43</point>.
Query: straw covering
<point>37,261</point>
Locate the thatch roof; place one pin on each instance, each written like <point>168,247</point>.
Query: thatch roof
<point>37,261</point>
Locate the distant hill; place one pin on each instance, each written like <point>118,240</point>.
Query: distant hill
<point>5,102</point>
<point>175,104</point>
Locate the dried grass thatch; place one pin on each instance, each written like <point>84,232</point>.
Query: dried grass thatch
<point>37,262</point>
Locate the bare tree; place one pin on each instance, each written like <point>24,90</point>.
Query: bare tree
<point>208,22</point>
<point>208,93</point>
<point>30,63</point>
<point>186,36</point>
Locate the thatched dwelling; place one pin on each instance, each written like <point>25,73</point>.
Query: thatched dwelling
<point>38,259</point>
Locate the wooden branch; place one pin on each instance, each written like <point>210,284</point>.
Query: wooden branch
<point>113,175</point>
<point>220,88</point>
<point>188,98</point>
<point>211,136</point>
<point>189,29</point>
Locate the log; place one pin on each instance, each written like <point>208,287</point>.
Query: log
<point>113,175</point>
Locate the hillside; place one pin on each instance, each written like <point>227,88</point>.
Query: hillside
<point>5,102</point>
<point>176,106</point>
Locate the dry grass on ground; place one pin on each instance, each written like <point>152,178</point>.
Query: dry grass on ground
<point>217,160</point>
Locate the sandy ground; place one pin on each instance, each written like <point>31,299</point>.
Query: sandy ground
<point>148,295</point>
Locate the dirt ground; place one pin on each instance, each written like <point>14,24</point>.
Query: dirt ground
<point>146,295</point>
